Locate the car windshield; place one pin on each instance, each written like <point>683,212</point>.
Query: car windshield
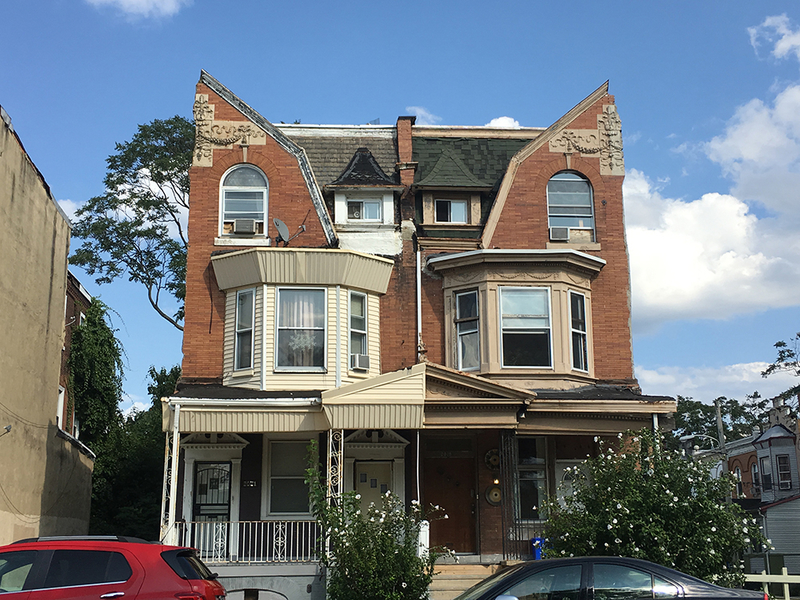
<point>479,588</point>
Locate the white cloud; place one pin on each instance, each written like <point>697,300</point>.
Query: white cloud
<point>707,383</point>
<point>144,8</point>
<point>776,30</point>
<point>424,117</point>
<point>504,123</point>
<point>704,259</point>
<point>69,207</point>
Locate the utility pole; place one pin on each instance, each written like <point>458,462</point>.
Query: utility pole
<point>721,437</point>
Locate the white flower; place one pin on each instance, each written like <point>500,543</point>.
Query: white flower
<point>619,435</point>
<point>712,551</point>
<point>358,496</point>
<point>595,439</point>
<point>614,521</point>
<point>608,526</point>
<point>404,585</point>
<point>619,505</point>
<point>713,529</point>
<point>446,517</point>
<point>617,541</point>
<point>674,498</point>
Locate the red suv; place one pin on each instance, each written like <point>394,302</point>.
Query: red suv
<point>82,568</point>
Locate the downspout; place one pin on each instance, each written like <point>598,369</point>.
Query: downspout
<point>420,348</point>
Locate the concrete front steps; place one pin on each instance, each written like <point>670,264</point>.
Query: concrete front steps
<point>452,579</point>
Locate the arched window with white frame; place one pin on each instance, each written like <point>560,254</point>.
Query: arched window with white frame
<point>244,199</point>
<point>570,208</point>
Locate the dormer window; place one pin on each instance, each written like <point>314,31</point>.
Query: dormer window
<point>451,211</point>
<point>244,201</point>
<point>364,210</point>
<point>570,208</point>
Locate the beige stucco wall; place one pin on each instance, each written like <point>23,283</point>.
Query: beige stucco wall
<point>45,481</point>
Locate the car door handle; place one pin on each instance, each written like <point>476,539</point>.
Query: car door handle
<point>113,595</point>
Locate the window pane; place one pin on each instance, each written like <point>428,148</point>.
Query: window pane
<point>14,569</point>
<point>664,589</point>
<point>458,211</point>
<point>372,210</point>
<point>289,496</point>
<point>578,312</point>
<point>561,583</point>
<point>244,310</point>
<point>530,450</point>
<point>301,348</point>
<point>572,222</point>
<point>617,582</point>
<point>355,210</point>
<point>469,352</point>
<point>245,177</point>
<point>302,308</point>
<point>532,491</point>
<point>579,356</point>
<point>289,458</point>
<point>467,305</point>
<point>358,343</point>
<point>244,350</point>
<point>526,349</point>
<point>523,303</point>
<point>443,211</point>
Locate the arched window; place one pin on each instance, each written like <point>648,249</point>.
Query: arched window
<point>245,192</point>
<point>570,209</point>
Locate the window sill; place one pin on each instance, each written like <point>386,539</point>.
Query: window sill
<point>243,373</point>
<point>584,246</point>
<point>300,370</point>
<point>242,241</point>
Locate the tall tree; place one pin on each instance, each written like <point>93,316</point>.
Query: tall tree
<point>739,418</point>
<point>788,360</point>
<point>136,228</point>
<point>127,494</point>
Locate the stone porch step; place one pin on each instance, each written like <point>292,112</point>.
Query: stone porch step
<point>452,579</point>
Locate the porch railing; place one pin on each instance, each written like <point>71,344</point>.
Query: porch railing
<point>247,542</point>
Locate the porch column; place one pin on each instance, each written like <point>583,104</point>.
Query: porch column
<point>188,489</point>
<point>335,464</point>
<point>169,492</point>
<point>236,484</point>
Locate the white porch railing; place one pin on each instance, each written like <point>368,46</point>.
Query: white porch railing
<point>783,578</point>
<point>245,542</point>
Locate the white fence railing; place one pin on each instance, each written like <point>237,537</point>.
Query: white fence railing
<point>251,541</point>
<point>765,580</point>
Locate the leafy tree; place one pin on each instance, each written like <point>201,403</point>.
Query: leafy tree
<point>135,228</point>
<point>788,360</point>
<point>372,555</point>
<point>645,501</point>
<point>738,418</point>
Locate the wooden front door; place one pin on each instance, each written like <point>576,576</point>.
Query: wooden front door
<point>448,474</point>
<point>373,480</point>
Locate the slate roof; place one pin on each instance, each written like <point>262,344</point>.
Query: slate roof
<point>219,391</point>
<point>485,160</point>
<point>599,392</point>
<point>329,148</point>
<point>363,169</point>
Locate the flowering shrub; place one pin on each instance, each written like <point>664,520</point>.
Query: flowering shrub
<point>372,555</point>
<point>645,501</point>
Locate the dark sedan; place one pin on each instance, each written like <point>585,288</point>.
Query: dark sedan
<point>597,578</point>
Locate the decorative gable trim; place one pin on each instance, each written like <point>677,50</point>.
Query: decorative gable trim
<point>363,170</point>
<point>281,139</point>
<point>549,134</point>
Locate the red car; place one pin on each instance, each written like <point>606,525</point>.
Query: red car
<point>83,568</point>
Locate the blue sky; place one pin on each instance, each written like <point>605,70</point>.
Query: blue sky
<point>708,93</point>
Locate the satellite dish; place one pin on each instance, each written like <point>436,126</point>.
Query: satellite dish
<point>283,231</point>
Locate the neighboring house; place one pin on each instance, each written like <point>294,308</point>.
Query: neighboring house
<point>76,307</point>
<point>767,468</point>
<point>45,486</point>
<point>446,310</point>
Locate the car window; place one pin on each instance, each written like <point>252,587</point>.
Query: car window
<point>556,583</point>
<point>664,589</point>
<point>619,582</point>
<point>14,569</point>
<point>86,567</point>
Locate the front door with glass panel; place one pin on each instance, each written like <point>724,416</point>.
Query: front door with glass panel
<point>212,505</point>
<point>373,480</point>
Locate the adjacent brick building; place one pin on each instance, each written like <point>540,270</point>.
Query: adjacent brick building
<point>445,309</point>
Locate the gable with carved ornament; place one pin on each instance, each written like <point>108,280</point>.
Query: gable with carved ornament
<point>210,134</point>
<point>605,142</point>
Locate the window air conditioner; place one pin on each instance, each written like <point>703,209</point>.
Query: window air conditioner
<point>359,362</point>
<point>786,485</point>
<point>559,234</point>
<point>244,226</point>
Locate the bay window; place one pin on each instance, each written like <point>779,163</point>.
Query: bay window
<point>525,327</point>
<point>301,329</point>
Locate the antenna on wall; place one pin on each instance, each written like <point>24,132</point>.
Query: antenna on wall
<point>283,232</point>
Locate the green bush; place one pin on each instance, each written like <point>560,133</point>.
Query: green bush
<point>645,501</point>
<point>371,555</point>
